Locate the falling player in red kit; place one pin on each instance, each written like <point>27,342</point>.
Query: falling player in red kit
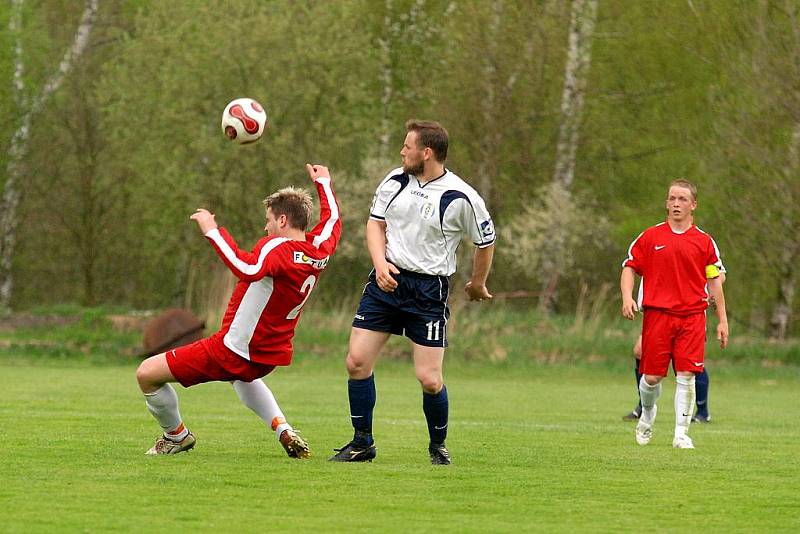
<point>679,265</point>
<point>275,280</point>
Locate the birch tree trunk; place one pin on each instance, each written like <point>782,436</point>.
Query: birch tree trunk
<point>18,148</point>
<point>788,272</point>
<point>579,55</point>
<point>387,78</point>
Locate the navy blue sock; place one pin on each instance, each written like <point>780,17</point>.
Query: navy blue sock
<point>701,388</point>
<point>436,408</point>
<point>637,361</point>
<point>362,401</point>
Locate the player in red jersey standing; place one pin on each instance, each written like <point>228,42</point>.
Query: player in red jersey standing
<point>275,280</point>
<point>675,260</point>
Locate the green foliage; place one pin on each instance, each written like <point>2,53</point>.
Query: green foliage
<point>68,333</point>
<point>536,449</point>
<point>501,333</point>
<point>130,144</point>
<point>533,228</point>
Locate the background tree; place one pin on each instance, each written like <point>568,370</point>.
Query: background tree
<point>130,143</point>
<point>576,73</point>
<point>28,104</point>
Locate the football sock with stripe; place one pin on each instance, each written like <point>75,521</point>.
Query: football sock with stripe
<point>649,395</point>
<point>684,403</point>
<point>257,396</point>
<point>701,388</point>
<point>178,434</point>
<point>436,408</point>
<point>163,404</point>
<point>362,395</point>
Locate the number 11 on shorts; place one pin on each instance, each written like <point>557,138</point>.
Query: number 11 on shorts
<point>433,331</point>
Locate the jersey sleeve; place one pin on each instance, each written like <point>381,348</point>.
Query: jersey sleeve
<point>478,222</point>
<point>637,255</point>
<point>247,266</point>
<point>325,235</point>
<point>386,192</point>
<point>714,258</point>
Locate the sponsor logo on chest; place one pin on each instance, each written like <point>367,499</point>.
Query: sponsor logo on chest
<point>299,257</point>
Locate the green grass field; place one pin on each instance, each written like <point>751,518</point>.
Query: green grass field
<point>539,448</point>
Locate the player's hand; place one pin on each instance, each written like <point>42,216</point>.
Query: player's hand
<point>722,335</point>
<point>318,171</point>
<point>383,275</point>
<point>205,220</point>
<point>477,292</point>
<point>629,308</point>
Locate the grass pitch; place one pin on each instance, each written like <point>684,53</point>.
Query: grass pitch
<point>535,448</point>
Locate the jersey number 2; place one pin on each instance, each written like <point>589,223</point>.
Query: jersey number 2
<point>306,288</point>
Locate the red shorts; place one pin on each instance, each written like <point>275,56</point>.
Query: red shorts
<point>666,337</point>
<point>209,360</point>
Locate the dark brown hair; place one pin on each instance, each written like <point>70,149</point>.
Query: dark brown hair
<point>430,134</point>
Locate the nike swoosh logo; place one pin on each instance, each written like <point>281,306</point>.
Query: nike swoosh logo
<point>686,415</point>
<point>355,416</point>
<point>697,364</point>
<point>659,247</point>
<point>439,427</point>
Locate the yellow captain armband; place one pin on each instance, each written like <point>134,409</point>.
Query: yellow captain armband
<point>712,271</point>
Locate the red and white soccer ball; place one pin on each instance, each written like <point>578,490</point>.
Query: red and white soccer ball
<point>244,120</point>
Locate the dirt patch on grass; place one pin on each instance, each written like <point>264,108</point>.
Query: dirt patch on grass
<point>23,320</point>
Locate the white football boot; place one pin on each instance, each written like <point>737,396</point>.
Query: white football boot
<point>682,442</point>
<point>644,428</point>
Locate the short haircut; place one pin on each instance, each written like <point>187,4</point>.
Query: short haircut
<point>430,134</point>
<point>295,203</point>
<point>680,182</point>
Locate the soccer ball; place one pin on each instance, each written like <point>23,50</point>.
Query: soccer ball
<point>244,120</point>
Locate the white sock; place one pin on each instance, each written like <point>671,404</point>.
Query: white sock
<point>258,397</point>
<point>684,403</point>
<point>163,404</point>
<point>649,395</point>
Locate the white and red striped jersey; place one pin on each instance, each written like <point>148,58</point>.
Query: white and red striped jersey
<point>673,268</point>
<point>275,280</point>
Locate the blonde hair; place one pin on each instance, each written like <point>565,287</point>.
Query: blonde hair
<point>293,202</point>
<point>681,182</point>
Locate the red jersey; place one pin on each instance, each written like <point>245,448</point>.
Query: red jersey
<point>275,280</point>
<point>673,268</point>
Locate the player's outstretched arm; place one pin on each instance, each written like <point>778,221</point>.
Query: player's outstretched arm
<point>329,228</point>
<point>629,306</point>
<point>205,220</point>
<point>715,288</point>
<point>481,265</point>
<point>248,266</point>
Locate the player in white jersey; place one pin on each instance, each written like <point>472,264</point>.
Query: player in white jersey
<point>419,215</point>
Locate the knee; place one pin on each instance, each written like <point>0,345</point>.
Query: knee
<point>431,382</point>
<point>144,377</point>
<point>357,367</point>
<point>652,380</point>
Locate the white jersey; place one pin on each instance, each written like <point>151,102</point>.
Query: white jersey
<point>426,222</point>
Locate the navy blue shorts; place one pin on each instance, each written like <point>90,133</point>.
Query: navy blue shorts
<point>417,308</point>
